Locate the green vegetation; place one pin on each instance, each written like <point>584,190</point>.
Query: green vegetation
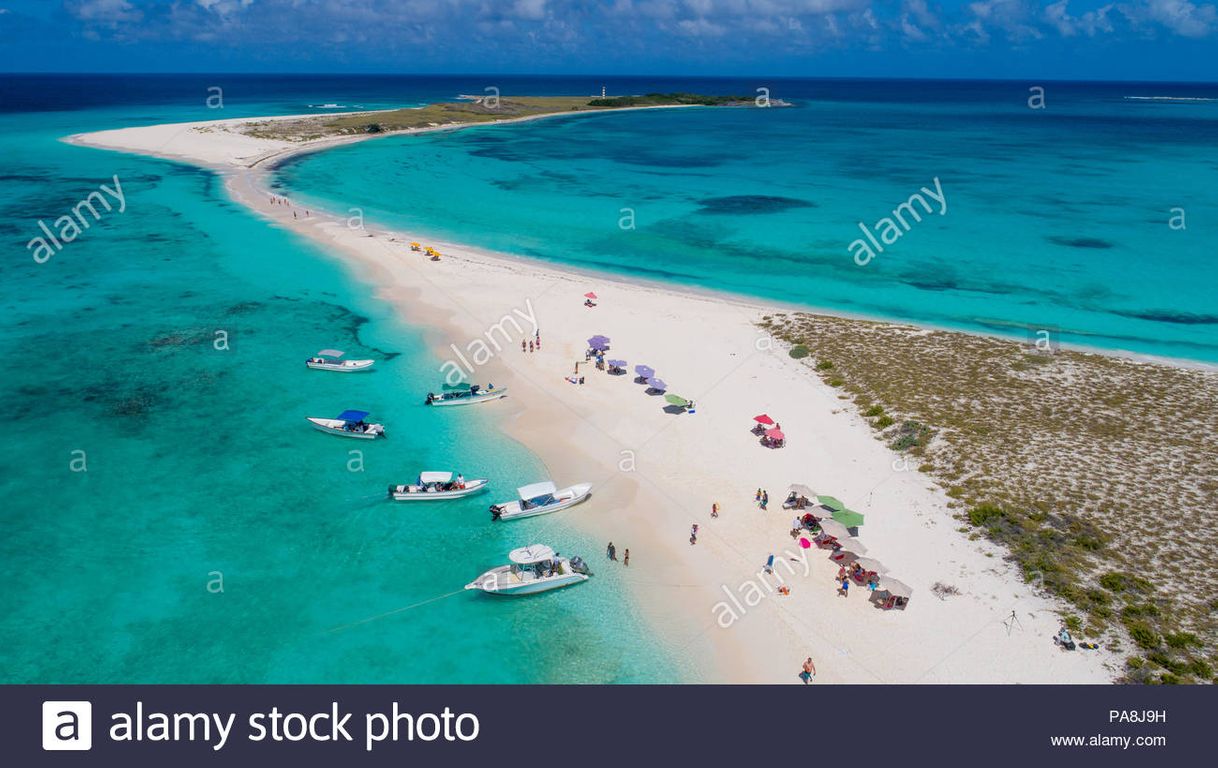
<point>1042,454</point>
<point>664,99</point>
<point>481,110</point>
<point>799,352</point>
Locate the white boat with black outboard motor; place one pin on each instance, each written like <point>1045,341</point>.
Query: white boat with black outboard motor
<point>535,568</point>
<point>349,424</point>
<point>331,360</point>
<point>540,499</point>
<point>437,486</point>
<point>475,394</point>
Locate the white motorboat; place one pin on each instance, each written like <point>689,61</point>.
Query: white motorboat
<point>540,499</point>
<point>475,394</point>
<point>437,486</point>
<point>349,424</point>
<point>331,360</point>
<point>535,568</point>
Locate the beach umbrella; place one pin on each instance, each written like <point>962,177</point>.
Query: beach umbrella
<point>848,517</point>
<point>590,295</point>
<point>775,434</point>
<point>763,419</point>
<point>802,490</point>
<point>833,528</point>
<point>644,371</point>
<point>618,363</point>
<point>870,565</point>
<point>894,587</point>
<point>599,342</point>
<point>804,543</point>
<point>677,400</point>
<point>657,384</point>
<point>830,502</point>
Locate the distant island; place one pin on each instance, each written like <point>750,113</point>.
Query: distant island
<point>473,109</point>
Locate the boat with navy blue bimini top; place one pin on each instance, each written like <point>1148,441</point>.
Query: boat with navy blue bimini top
<point>475,394</point>
<point>349,424</point>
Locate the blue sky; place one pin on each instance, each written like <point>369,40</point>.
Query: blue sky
<point>1080,39</point>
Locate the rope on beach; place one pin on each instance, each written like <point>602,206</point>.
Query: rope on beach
<point>395,611</point>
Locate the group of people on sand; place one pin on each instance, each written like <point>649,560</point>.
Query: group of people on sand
<point>284,201</point>
<point>611,553</point>
<point>532,345</point>
<point>762,498</point>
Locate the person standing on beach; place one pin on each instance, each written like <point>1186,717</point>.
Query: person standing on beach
<point>844,589</point>
<point>715,509</point>
<point>611,551</point>
<point>809,671</point>
<point>530,346</point>
<point>693,534</point>
<point>522,345</point>
<point>626,559</point>
<point>765,500</point>
<point>757,498</point>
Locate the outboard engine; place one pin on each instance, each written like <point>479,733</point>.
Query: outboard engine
<point>496,511</point>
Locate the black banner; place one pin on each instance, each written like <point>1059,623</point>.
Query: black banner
<point>609,725</point>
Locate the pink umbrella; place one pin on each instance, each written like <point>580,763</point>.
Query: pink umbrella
<point>775,434</point>
<point>804,542</point>
<point>590,295</point>
<point>763,419</point>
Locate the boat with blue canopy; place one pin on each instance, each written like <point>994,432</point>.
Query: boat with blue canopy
<point>349,424</point>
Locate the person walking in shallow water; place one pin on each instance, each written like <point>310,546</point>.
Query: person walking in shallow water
<point>626,559</point>
<point>611,551</point>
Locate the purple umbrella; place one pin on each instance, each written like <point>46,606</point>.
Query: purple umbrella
<point>656,384</point>
<point>644,371</point>
<point>599,342</point>
<point>617,363</point>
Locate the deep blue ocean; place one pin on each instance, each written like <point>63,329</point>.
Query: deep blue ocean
<point>199,461</point>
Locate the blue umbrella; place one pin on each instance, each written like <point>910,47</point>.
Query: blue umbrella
<point>599,342</point>
<point>618,363</point>
<point>656,384</point>
<point>644,371</point>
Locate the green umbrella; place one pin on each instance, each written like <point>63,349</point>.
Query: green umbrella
<point>677,400</point>
<point>848,517</point>
<point>831,503</point>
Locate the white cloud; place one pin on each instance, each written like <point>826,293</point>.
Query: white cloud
<point>1057,15</point>
<point>1182,17</point>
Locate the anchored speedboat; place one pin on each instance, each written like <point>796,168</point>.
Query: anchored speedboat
<point>475,394</point>
<point>540,499</point>
<point>331,360</point>
<point>535,568</point>
<point>437,486</point>
<point>349,424</point>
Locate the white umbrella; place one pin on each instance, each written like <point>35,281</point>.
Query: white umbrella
<point>833,528</point>
<point>894,587</point>
<point>870,565</point>
<point>802,490</point>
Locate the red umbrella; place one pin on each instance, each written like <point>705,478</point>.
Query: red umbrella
<point>763,419</point>
<point>589,295</point>
<point>775,434</point>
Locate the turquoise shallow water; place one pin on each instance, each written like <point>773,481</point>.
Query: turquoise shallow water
<point>1056,218</point>
<point>199,461</point>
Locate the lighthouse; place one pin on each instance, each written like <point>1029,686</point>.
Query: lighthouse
<point>602,91</point>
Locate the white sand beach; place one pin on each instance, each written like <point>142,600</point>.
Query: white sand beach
<point>657,472</point>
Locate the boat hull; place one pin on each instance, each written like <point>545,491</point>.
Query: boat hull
<point>471,487</point>
<point>571,496</point>
<point>351,366</point>
<point>493,583</point>
<point>488,397</point>
<point>335,427</point>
